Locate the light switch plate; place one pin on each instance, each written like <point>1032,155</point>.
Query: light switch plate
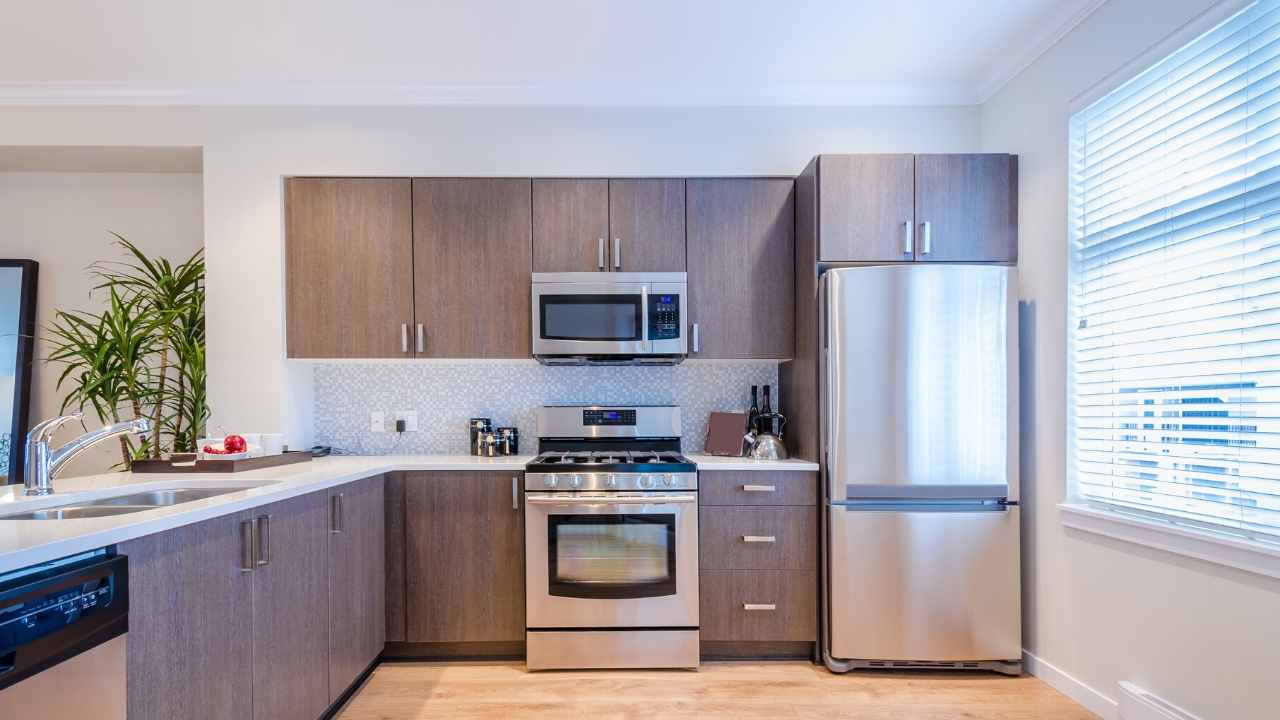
<point>377,421</point>
<point>410,418</point>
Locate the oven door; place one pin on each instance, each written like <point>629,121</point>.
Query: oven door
<point>611,560</point>
<point>590,319</point>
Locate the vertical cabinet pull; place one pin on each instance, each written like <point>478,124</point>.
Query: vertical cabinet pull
<point>926,238</point>
<point>908,237</point>
<point>600,254</point>
<point>760,488</point>
<point>404,337</point>
<point>422,339</point>
<point>247,557</point>
<point>696,345</point>
<point>335,514</point>
<point>264,540</point>
<point>759,606</point>
<point>617,253</point>
<point>515,492</point>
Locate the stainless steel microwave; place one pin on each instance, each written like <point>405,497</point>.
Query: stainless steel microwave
<point>610,318</point>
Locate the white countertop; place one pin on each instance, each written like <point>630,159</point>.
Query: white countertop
<point>29,542</point>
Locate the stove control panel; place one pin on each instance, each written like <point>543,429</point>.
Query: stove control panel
<point>609,482</point>
<point>594,417</point>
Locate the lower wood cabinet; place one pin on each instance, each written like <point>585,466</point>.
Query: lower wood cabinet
<point>269,613</point>
<point>464,558</point>
<point>759,606</point>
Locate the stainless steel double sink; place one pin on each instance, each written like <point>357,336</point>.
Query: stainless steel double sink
<point>125,504</point>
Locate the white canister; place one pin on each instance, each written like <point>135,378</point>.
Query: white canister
<point>272,443</point>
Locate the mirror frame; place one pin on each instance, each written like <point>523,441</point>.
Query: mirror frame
<point>22,368</point>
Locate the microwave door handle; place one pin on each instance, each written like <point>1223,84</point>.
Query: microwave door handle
<point>644,318</point>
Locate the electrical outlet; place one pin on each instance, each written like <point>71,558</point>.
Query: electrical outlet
<point>410,418</point>
<point>378,421</point>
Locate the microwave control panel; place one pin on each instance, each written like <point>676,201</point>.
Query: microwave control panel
<point>664,317</point>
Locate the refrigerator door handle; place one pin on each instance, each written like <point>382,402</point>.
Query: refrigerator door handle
<point>936,506</point>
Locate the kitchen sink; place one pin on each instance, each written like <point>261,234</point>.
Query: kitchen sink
<point>125,504</point>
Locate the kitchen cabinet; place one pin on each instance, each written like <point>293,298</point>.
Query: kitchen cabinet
<point>290,616</point>
<point>190,645</point>
<point>627,225</point>
<point>357,581</point>
<point>472,249</point>
<point>464,557</point>
<point>393,507</point>
<point>741,258</point>
<point>349,267</point>
<point>967,208</point>
<point>923,208</point>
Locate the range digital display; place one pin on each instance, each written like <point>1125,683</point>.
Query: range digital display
<point>608,417</point>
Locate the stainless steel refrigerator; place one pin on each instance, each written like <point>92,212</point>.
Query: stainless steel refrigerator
<point>919,440</point>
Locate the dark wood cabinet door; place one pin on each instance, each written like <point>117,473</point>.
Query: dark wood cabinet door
<point>647,225</point>
<point>464,557</point>
<point>348,267</point>
<point>471,258</point>
<point>570,225</point>
<point>742,267</point>
<point>393,505</point>
<point>970,206</point>
<point>865,208</point>
<point>758,605</point>
<point>190,650</point>
<point>357,581</point>
<point>291,609</point>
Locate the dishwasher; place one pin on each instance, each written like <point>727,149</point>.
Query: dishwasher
<point>63,629</point>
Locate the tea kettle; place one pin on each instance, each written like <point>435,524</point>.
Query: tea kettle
<point>766,445</point>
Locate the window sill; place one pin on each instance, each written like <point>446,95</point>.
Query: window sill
<point>1255,557</point>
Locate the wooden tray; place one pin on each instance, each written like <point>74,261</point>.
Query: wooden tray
<point>219,466</point>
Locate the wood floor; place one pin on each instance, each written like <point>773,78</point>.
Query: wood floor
<point>409,691</point>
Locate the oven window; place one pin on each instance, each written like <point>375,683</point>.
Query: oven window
<point>612,556</point>
<point>590,317</point>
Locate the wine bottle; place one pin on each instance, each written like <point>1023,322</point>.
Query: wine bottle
<point>766,410</point>
<point>754,413</point>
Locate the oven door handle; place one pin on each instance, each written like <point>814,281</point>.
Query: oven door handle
<point>580,501</point>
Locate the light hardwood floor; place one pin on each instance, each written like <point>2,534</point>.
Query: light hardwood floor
<point>409,691</point>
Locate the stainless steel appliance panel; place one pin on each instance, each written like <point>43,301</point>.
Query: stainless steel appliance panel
<point>91,684</point>
<point>924,586</point>
<point>918,375</point>
<point>591,314</point>
<point>612,649</point>
<point>577,421</point>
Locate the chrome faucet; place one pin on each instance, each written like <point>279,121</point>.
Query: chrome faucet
<point>43,463</point>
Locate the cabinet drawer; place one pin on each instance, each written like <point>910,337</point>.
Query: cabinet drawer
<point>725,487</point>
<point>743,605</point>
<point>763,538</point>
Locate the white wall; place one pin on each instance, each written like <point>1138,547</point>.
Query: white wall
<point>1203,636</point>
<point>248,150</point>
<point>62,220</point>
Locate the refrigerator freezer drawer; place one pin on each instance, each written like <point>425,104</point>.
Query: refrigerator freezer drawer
<point>924,586</point>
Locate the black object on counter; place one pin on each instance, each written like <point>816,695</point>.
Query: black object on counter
<point>476,427</point>
<point>509,441</point>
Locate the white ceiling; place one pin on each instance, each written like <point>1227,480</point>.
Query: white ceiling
<point>525,52</point>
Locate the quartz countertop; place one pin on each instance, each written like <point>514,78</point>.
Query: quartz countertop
<point>29,542</point>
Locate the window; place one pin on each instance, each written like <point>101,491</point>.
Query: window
<point>1174,366</point>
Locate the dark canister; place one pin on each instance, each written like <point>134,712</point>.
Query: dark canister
<point>476,427</point>
<point>509,440</point>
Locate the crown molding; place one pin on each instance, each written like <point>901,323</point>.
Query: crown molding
<point>428,95</point>
<point>1020,58</point>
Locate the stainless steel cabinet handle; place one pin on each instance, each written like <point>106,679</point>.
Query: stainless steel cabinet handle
<point>759,539</point>
<point>696,344</point>
<point>600,254</point>
<point>422,339</point>
<point>759,606</point>
<point>247,559</point>
<point>264,540</point>
<point>404,337</point>
<point>515,492</point>
<point>760,488</point>
<point>927,238</point>
<point>908,237</point>
<point>617,253</point>
<point>335,512</point>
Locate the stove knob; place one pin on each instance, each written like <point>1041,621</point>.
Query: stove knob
<point>575,481</point>
<point>645,481</point>
<point>612,482</point>
<point>668,480</point>
<point>550,480</point>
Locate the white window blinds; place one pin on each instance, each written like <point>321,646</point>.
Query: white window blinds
<point>1174,368</point>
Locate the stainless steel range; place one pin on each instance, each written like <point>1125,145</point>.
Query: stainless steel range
<point>611,541</point>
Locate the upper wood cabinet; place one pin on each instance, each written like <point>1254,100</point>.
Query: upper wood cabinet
<point>741,254</point>
<point>464,557</point>
<point>967,208</point>
<point>925,208</point>
<point>570,225</point>
<point>357,580</point>
<point>865,208</point>
<point>627,225</point>
<point>472,246</point>
<point>349,267</point>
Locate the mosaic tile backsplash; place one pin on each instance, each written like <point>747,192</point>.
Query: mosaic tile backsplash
<point>446,393</point>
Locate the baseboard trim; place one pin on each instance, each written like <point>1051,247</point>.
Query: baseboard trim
<point>337,705</point>
<point>1062,681</point>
